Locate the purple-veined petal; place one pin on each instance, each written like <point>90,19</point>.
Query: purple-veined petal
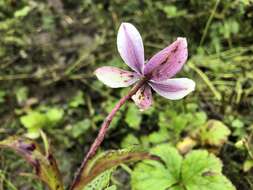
<point>130,47</point>
<point>166,63</point>
<point>143,97</point>
<point>173,89</point>
<point>115,77</point>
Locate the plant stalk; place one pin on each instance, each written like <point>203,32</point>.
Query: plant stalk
<point>102,132</point>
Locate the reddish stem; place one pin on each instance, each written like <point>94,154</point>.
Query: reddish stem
<point>102,132</point>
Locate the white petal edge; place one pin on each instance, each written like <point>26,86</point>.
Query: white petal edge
<point>130,47</point>
<point>115,77</point>
<point>173,89</point>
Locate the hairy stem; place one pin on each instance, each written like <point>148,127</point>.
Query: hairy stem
<point>102,132</point>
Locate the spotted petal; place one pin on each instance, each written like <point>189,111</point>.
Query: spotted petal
<point>115,77</point>
<point>166,63</point>
<point>173,89</point>
<point>143,97</point>
<point>130,47</point>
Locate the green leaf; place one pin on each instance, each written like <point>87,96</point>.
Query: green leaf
<point>133,117</point>
<point>22,12</point>
<point>34,119</point>
<point>158,137</point>
<point>153,174</point>
<point>201,170</point>
<point>54,115</point>
<point>129,140</point>
<point>100,182</point>
<point>80,128</point>
<point>198,170</point>
<point>77,100</point>
<point>214,133</point>
<point>107,161</point>
<point>22,94</point>
<point>113,187</point>
<point>45,165</point>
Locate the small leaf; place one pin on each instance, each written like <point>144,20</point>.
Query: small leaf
<point>247,165</point>
<point>100,182</point>
<point>106,161</point>
<point>21,94</point>
<point>45,165</point>
<point>22,12</point>
<point>214,133</point>
<point>54,115</point>
<point>80,128</point>
<point>33,119</point>
<point>133,117</point>
<point>129,141</point>
<point>77,100</point>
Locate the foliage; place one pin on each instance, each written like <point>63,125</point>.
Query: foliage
<point>100,165</point>
<point>44,164</point>
<point>49,50</point>
<point>198,170</point>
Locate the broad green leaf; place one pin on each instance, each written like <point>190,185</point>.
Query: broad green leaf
<point>201,170</point>
<point>133,117</point>
<point>155,175</point>
<point>45,165</point>
<point>214,132</point>
<point>106,161</point>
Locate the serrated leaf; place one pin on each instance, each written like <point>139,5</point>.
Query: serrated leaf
<point>201,170</point>
<point>45,165</point>
<point>198,170</point>
<point>214,133</point>
<point>155,175</point>
<point>106,161</point>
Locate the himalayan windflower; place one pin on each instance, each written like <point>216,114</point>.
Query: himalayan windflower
<point>157,72</point>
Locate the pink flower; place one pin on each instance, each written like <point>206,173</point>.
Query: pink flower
<point>158,71</point>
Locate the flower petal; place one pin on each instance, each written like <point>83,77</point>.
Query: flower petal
<point>143,97</point>
<point>173,89</point>
<point>166,63</point>
<point>115,77</point>
<point>130,47</point>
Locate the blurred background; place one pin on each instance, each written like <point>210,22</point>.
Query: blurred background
<point>50,48</point>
